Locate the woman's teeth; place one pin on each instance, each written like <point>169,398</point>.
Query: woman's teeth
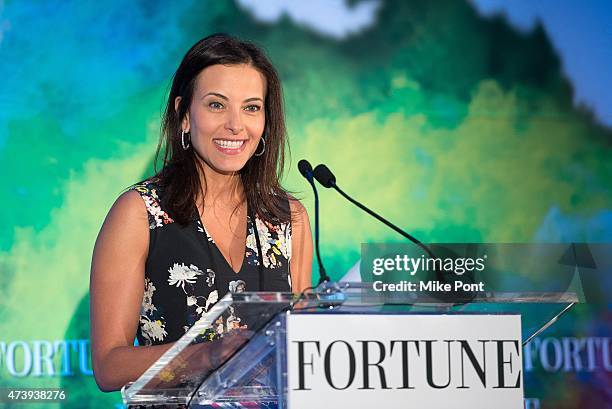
<point>229,144</point>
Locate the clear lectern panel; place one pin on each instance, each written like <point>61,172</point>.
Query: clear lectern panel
<point>174,378</point>
<point>247,365</point>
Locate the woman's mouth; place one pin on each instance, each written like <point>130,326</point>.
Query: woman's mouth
<point>229,146</point>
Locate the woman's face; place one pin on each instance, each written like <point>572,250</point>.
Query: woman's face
<point>227,117</point>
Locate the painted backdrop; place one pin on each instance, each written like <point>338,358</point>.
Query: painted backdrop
<point>455,125</point>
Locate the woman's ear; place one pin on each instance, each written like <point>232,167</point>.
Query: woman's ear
<point>184,121</point>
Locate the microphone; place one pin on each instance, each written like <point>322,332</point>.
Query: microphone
<point>305,169</point>
<point>327,179</point>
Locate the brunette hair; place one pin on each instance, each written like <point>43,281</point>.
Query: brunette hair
<point>179,178</point>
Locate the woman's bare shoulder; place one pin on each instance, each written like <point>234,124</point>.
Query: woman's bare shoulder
<point>129,206</point>
<point>298,211</point>
<point>126,222</point>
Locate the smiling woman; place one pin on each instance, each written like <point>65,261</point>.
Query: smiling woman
<point>213,219</point>
<point>225,128</point>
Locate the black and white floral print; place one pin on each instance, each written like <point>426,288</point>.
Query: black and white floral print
<point>275,243</point>
<point>152,330</point>
<point>180,274</point>
<point>237,286</point>
<point>152,324</point>
<point>147,299</point>
<point>185,277</point>
<point>210,277</point>
<point>233,321</point>
<point>157,217</point>
<point>186,274</point>
<point>202,229</point>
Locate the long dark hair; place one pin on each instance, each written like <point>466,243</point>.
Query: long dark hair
<point>179,178</point>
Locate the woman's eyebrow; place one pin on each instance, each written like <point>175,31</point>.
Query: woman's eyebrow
<point>216,94</point>
<point>227,99</point>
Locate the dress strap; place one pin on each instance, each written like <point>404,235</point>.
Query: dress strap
<point>148,191</point>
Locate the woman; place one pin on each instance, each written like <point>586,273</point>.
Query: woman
<point>214,219</point>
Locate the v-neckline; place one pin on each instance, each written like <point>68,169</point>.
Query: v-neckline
<point>246,239</point>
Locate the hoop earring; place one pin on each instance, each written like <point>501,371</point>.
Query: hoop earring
<point>264,147</point>
<point>185,145</point>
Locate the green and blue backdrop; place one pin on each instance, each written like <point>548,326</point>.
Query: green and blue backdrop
<point>457,126</point>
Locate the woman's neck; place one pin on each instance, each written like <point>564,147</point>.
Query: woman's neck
<point>223,189</point>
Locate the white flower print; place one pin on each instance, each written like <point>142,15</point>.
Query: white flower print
<point>219,326</point>
<point>193,301</point>
<point>157,217</point>
<point>237,286</point>
<point>213,297</point>
<point>152,330</point>
<point>156,212</point>
<point>274,243</point>
<point>181,274</point>
<point>202,229</point>
<point>233,322</point>
<point>147,299</point>
<point>264,239</point>
<point>251,243</point>
<point>210,277</point>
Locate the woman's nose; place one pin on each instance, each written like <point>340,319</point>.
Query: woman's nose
<point>234,123</point>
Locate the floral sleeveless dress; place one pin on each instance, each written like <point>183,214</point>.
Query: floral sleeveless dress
<point>186,274</point>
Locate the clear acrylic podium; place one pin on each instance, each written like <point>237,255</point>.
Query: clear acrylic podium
<point>249,366</point>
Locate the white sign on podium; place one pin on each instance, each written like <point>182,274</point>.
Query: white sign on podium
<point>433,361</point>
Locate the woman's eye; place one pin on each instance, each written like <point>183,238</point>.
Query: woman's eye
<point>215,105</point>
<point>253,108</point>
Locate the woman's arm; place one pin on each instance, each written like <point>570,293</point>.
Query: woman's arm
<point>116,291</point>
<point>301,247</point>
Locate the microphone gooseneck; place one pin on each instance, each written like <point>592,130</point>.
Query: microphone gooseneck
<point>327,179</point>
<point>305,169</point>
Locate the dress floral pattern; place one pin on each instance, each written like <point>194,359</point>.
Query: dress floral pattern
<point>157,217</point>
<point>186,274</point>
